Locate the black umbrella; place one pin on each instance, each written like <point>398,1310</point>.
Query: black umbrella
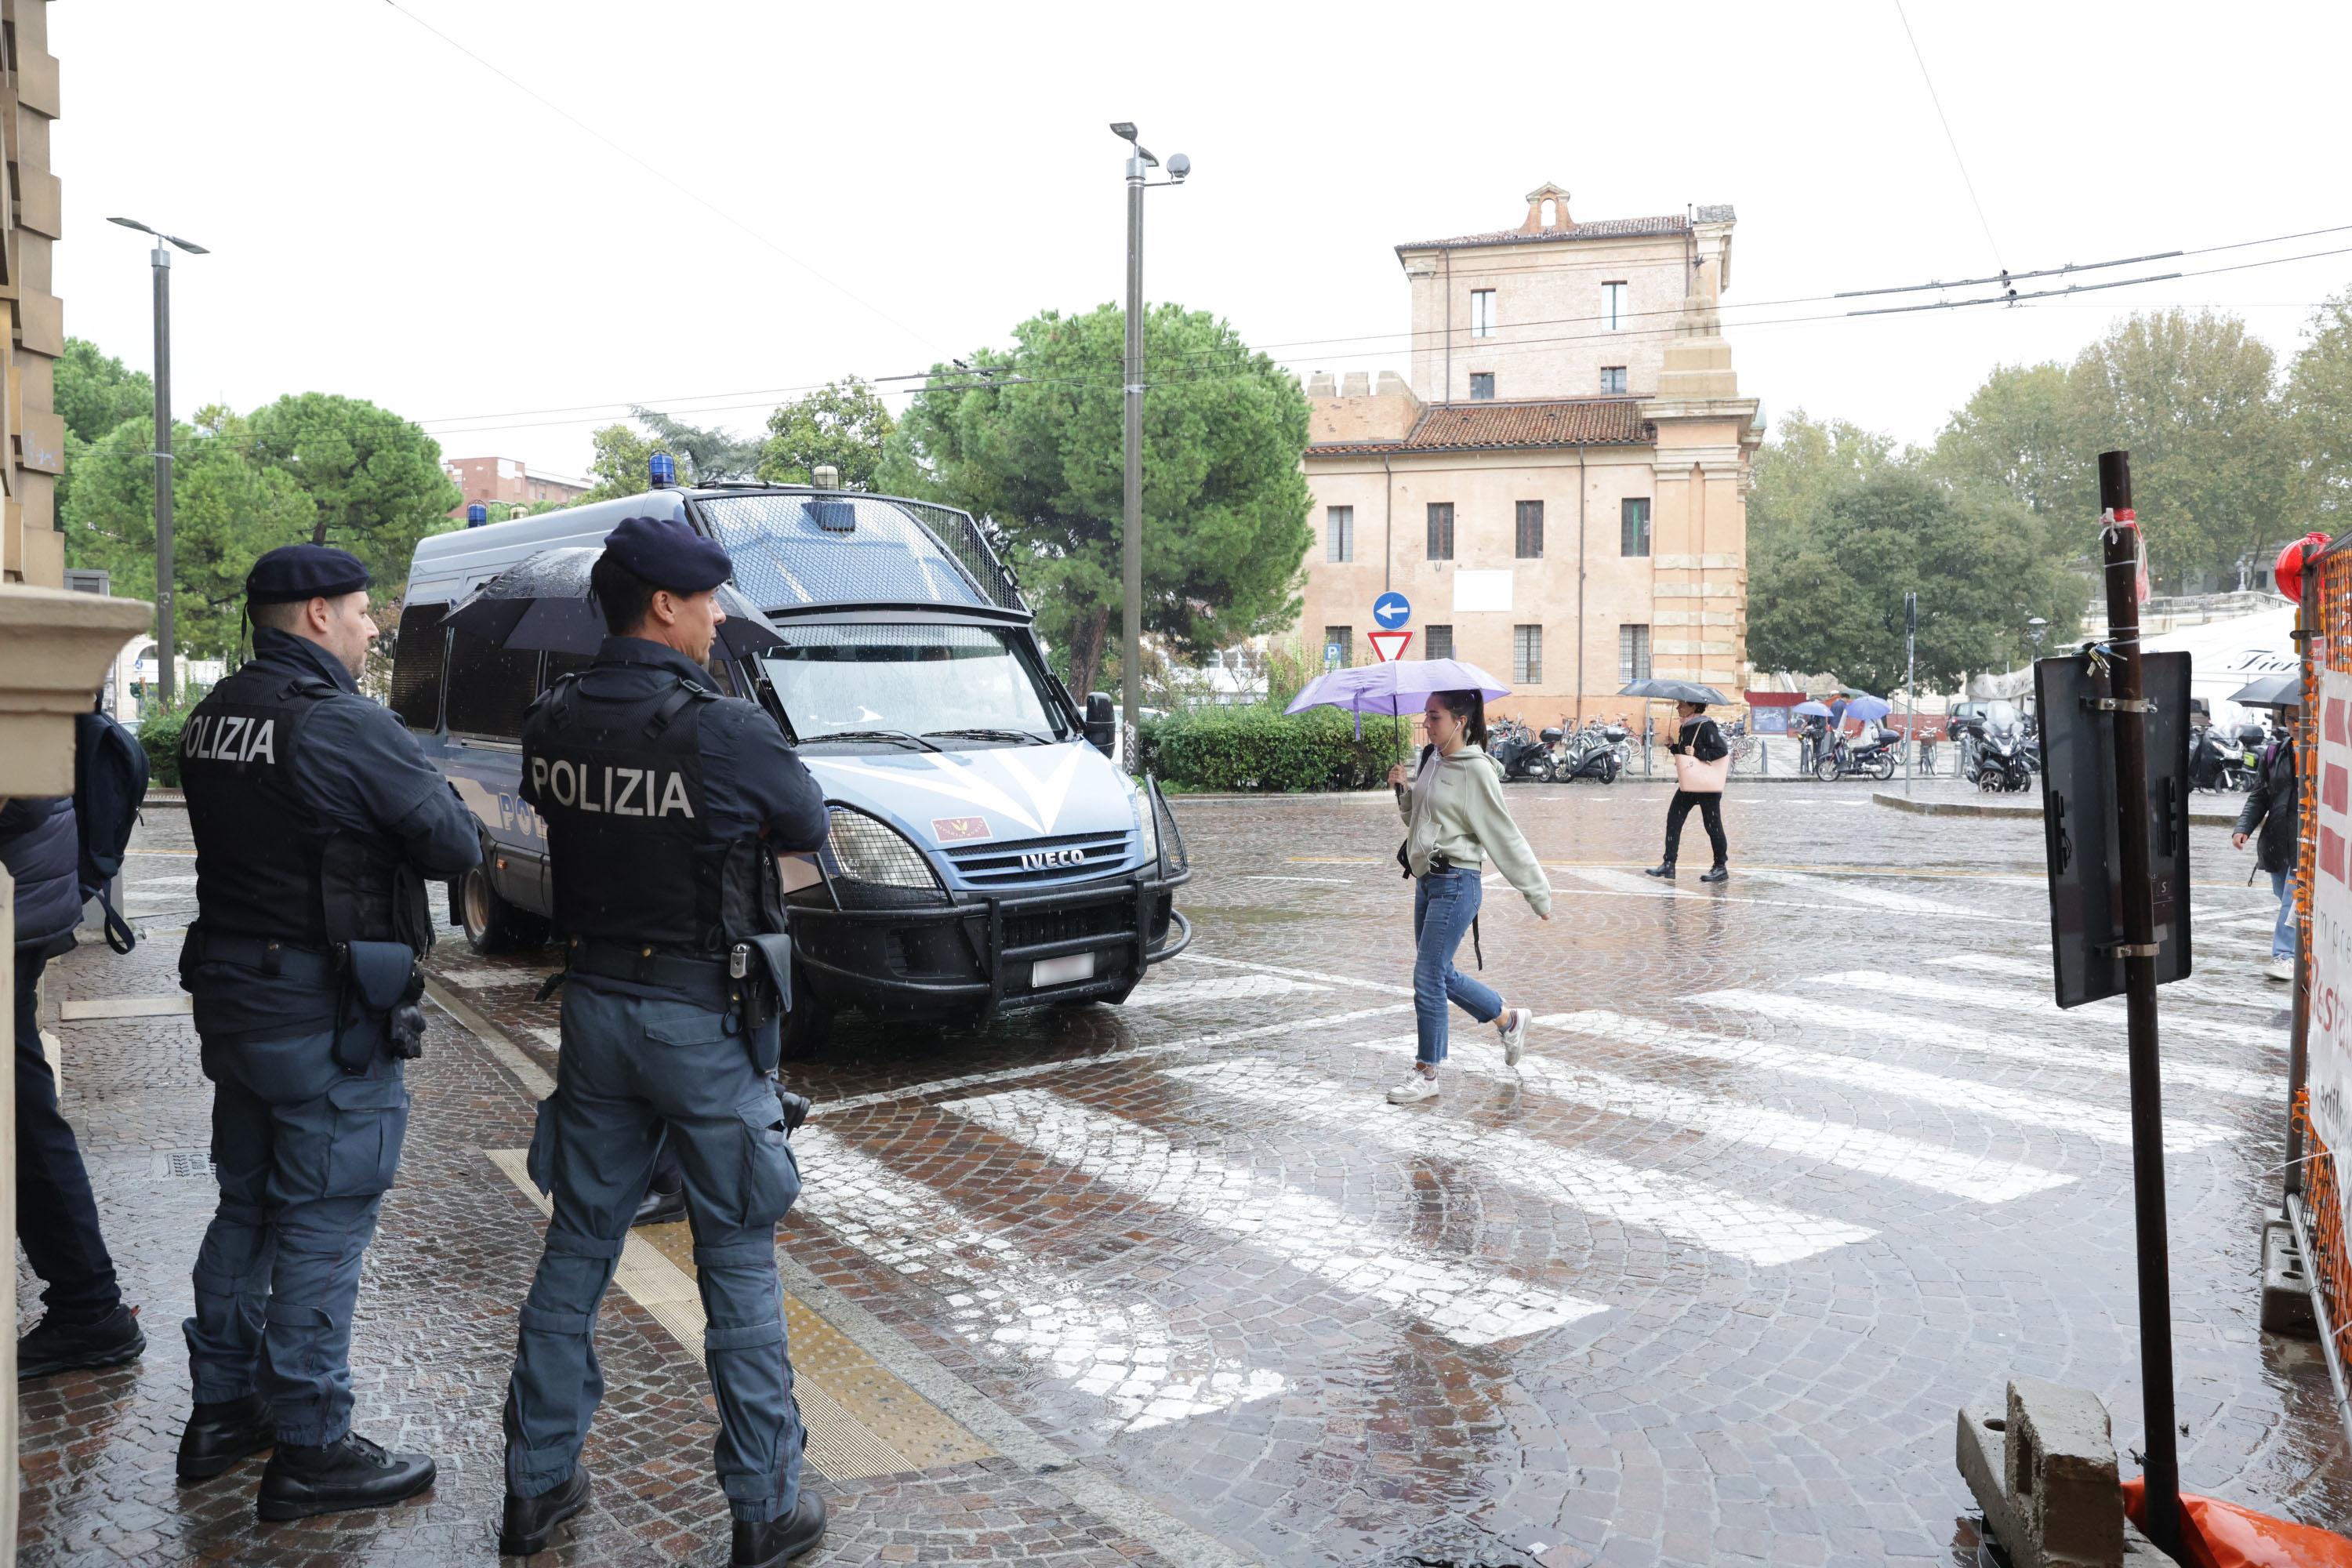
<point>541,603</point>
<point>2271,691</point>
<point>1675,691</point>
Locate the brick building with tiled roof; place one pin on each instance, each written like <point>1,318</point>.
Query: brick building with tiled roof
<point>1560,488</point>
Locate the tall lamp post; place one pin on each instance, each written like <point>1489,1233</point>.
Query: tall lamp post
<point>1130,650</point>
<point>165,664</point>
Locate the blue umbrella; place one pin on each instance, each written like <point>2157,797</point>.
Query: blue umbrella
<point>1812,709</point>
<point>1869,709</point>
<point>1395,688</point>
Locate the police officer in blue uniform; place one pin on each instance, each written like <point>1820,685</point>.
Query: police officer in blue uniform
<point>317,822</point>
<point>666,807</point>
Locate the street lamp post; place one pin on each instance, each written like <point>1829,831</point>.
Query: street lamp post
<point>1130,654</point>
<point>165,663</point>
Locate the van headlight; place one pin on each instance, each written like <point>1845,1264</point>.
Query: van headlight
<point>870,850</point>
<point>1145,822</point>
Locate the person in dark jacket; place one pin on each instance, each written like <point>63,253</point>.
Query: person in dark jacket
<point>2274,811</point>
<point>1698,750</point>
<point>86,1325</point>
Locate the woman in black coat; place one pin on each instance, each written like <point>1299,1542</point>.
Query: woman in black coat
<point>1700,754</point>
<point>2274,810</point>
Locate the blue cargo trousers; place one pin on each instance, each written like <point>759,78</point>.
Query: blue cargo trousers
<point>304,1155</point>
<point>632,1069</point>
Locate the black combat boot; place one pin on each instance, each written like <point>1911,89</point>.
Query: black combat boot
<point>771,1543</point>
<point>349,1473</point>
<point>1720,873</point>
<point>1663,869</point>
<point>531,1520</point>
<point>661,1207</point>
<point>54,1345</point>
<point>219,1435</point>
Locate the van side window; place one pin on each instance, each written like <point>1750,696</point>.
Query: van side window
<point>560,664</point>
<point>489,687</point>
<point>418,648</point>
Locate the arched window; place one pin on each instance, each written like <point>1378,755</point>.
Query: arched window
<point>1550,213</point>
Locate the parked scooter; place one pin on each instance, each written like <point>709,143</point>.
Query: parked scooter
<point>2001,751</point>
<point>1595,752</point>
<point>1517,754</point>
<point>1873,754</point>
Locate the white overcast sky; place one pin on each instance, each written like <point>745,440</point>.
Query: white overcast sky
<point>390,220</point>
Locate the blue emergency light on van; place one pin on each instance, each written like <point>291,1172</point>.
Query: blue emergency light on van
<point>985,854</point>
<point>662,469</point>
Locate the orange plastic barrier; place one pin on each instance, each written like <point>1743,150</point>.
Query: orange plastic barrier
<point>2217,1534</point>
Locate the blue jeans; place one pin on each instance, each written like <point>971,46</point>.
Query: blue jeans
<point>2283,934</point>
<point>1443,905</point>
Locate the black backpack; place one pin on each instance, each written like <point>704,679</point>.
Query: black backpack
<point>110,782</point>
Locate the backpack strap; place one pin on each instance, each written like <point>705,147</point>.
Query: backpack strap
<point>119,934</point>
<point>685,692</point>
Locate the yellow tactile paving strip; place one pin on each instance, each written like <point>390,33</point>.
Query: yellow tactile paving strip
<point>862,1419</point>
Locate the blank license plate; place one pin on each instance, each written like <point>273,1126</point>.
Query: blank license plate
<point>1061,971</point>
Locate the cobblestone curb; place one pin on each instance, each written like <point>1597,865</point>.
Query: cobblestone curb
<point>2204,815</point>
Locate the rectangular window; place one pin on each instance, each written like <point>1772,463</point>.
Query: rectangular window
<point>1344,639</point>
<point>417,650</point>
<point>489,687</point>
<point>1482,385</point>
<point>1614,314</point>
<point>1528,546</point>
<point>1613,379</point>
<point>1339,533</point>
<point>1636,524</point>
<point>1632,654</point>
<point>1527,656</point>
<point>1441,531</point>
<point>1437,642</point>
<point>1482,312</point>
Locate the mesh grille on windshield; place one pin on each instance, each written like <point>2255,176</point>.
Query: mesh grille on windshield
<point>794,549</point>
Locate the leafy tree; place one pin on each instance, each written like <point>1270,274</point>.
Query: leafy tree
<point>843,424</point>
<point>2192,398</point>
<point>1224,499</point>
<point>227,508</point>
<point>1808,462</point>
<point>95,393</point>
<point>375,479</point>
<point>1828,595</point>
<point>707,454</point>
<point>2022,434</point>
<point>619,466</point>
<point>2319,414</point>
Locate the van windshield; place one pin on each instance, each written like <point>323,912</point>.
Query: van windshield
<point>947,683</point>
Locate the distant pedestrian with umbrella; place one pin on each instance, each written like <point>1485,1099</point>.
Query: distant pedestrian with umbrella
<point>1455,821</point>
<point>1702,760</point>
<point>2272,815</point>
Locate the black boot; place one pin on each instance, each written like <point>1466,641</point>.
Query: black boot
<point>660,1208</point>
<point>1663,869</point>
<point>1720,873</point>
<point>219,1435</point>
<point>349,1473</point>
<point>530,1520</point>
<point>774,1543</point>
<point>54,1345</point>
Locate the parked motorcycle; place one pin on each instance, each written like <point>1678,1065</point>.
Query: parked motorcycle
<point>1596,752</point>
<point>2218,760</point>
<point>2001,751</point>
<point>1873,753</point>
<point>1518,754</point>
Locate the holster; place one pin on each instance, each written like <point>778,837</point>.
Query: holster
<point>377,1010</point>
<point>767,983</point>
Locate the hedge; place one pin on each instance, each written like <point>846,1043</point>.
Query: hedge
<point>159,736</point>
<point>1260,748</point>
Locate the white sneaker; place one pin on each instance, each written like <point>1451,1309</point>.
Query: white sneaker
<point>1514,1025</point>
<point>2280,969</point>
<point>1416,1087</point>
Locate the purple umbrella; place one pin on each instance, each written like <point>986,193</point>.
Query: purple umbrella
<point>1395,688</point>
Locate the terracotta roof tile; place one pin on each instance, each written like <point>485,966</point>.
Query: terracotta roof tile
<point>1601,229</point>
<point>1469,426</point>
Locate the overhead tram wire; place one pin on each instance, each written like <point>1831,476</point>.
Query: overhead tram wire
<point>665,175</point>
<point>1952,140</point>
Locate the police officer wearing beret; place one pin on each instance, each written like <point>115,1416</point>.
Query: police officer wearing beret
<point>665,805</point>
<point>317,822</point>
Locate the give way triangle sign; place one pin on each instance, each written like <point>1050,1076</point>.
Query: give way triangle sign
<point>1388,646</point>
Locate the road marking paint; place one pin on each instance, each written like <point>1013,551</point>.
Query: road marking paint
<point>1874,897</point>
<point>1609,884</point>
<point>1467,1303</point>
<point>1124,1353</point>
<point>1176,993</point>
<point>1349,981</point>
<point>1326,881</point>
<point>2194,990</point>
<point>2035,1052</point>
<point>2034,1109</point>
<point>2109,1012</point>
<point>166,1006</point>
<point>1761,1233</point>
<point>1978,1178</point>
<point>1072,1064</point>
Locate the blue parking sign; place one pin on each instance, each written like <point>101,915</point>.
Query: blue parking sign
<point>1392,610</point>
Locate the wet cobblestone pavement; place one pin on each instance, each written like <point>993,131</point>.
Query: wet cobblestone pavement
<point>1791,1168</point>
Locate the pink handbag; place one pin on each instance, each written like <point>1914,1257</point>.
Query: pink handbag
<point>1694,777</point>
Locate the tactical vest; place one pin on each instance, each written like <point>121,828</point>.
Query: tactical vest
<point>266,865</point>
<point>630,841</point>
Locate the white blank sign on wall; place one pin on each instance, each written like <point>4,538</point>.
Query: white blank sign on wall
<point>1476,591</point>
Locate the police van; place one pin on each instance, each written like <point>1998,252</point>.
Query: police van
<point>986,852</point>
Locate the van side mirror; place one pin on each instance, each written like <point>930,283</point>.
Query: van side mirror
<point>1102,722</point>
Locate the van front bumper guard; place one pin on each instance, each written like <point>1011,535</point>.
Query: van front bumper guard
<point>981,922</point>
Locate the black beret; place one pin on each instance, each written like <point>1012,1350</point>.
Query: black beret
<point>293,572</point>
<point>667,554</point>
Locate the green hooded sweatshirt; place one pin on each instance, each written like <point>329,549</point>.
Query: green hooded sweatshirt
<point>1455,807</point>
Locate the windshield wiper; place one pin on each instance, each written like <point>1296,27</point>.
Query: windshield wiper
<point>900,736</point>
<point>984,733</point>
